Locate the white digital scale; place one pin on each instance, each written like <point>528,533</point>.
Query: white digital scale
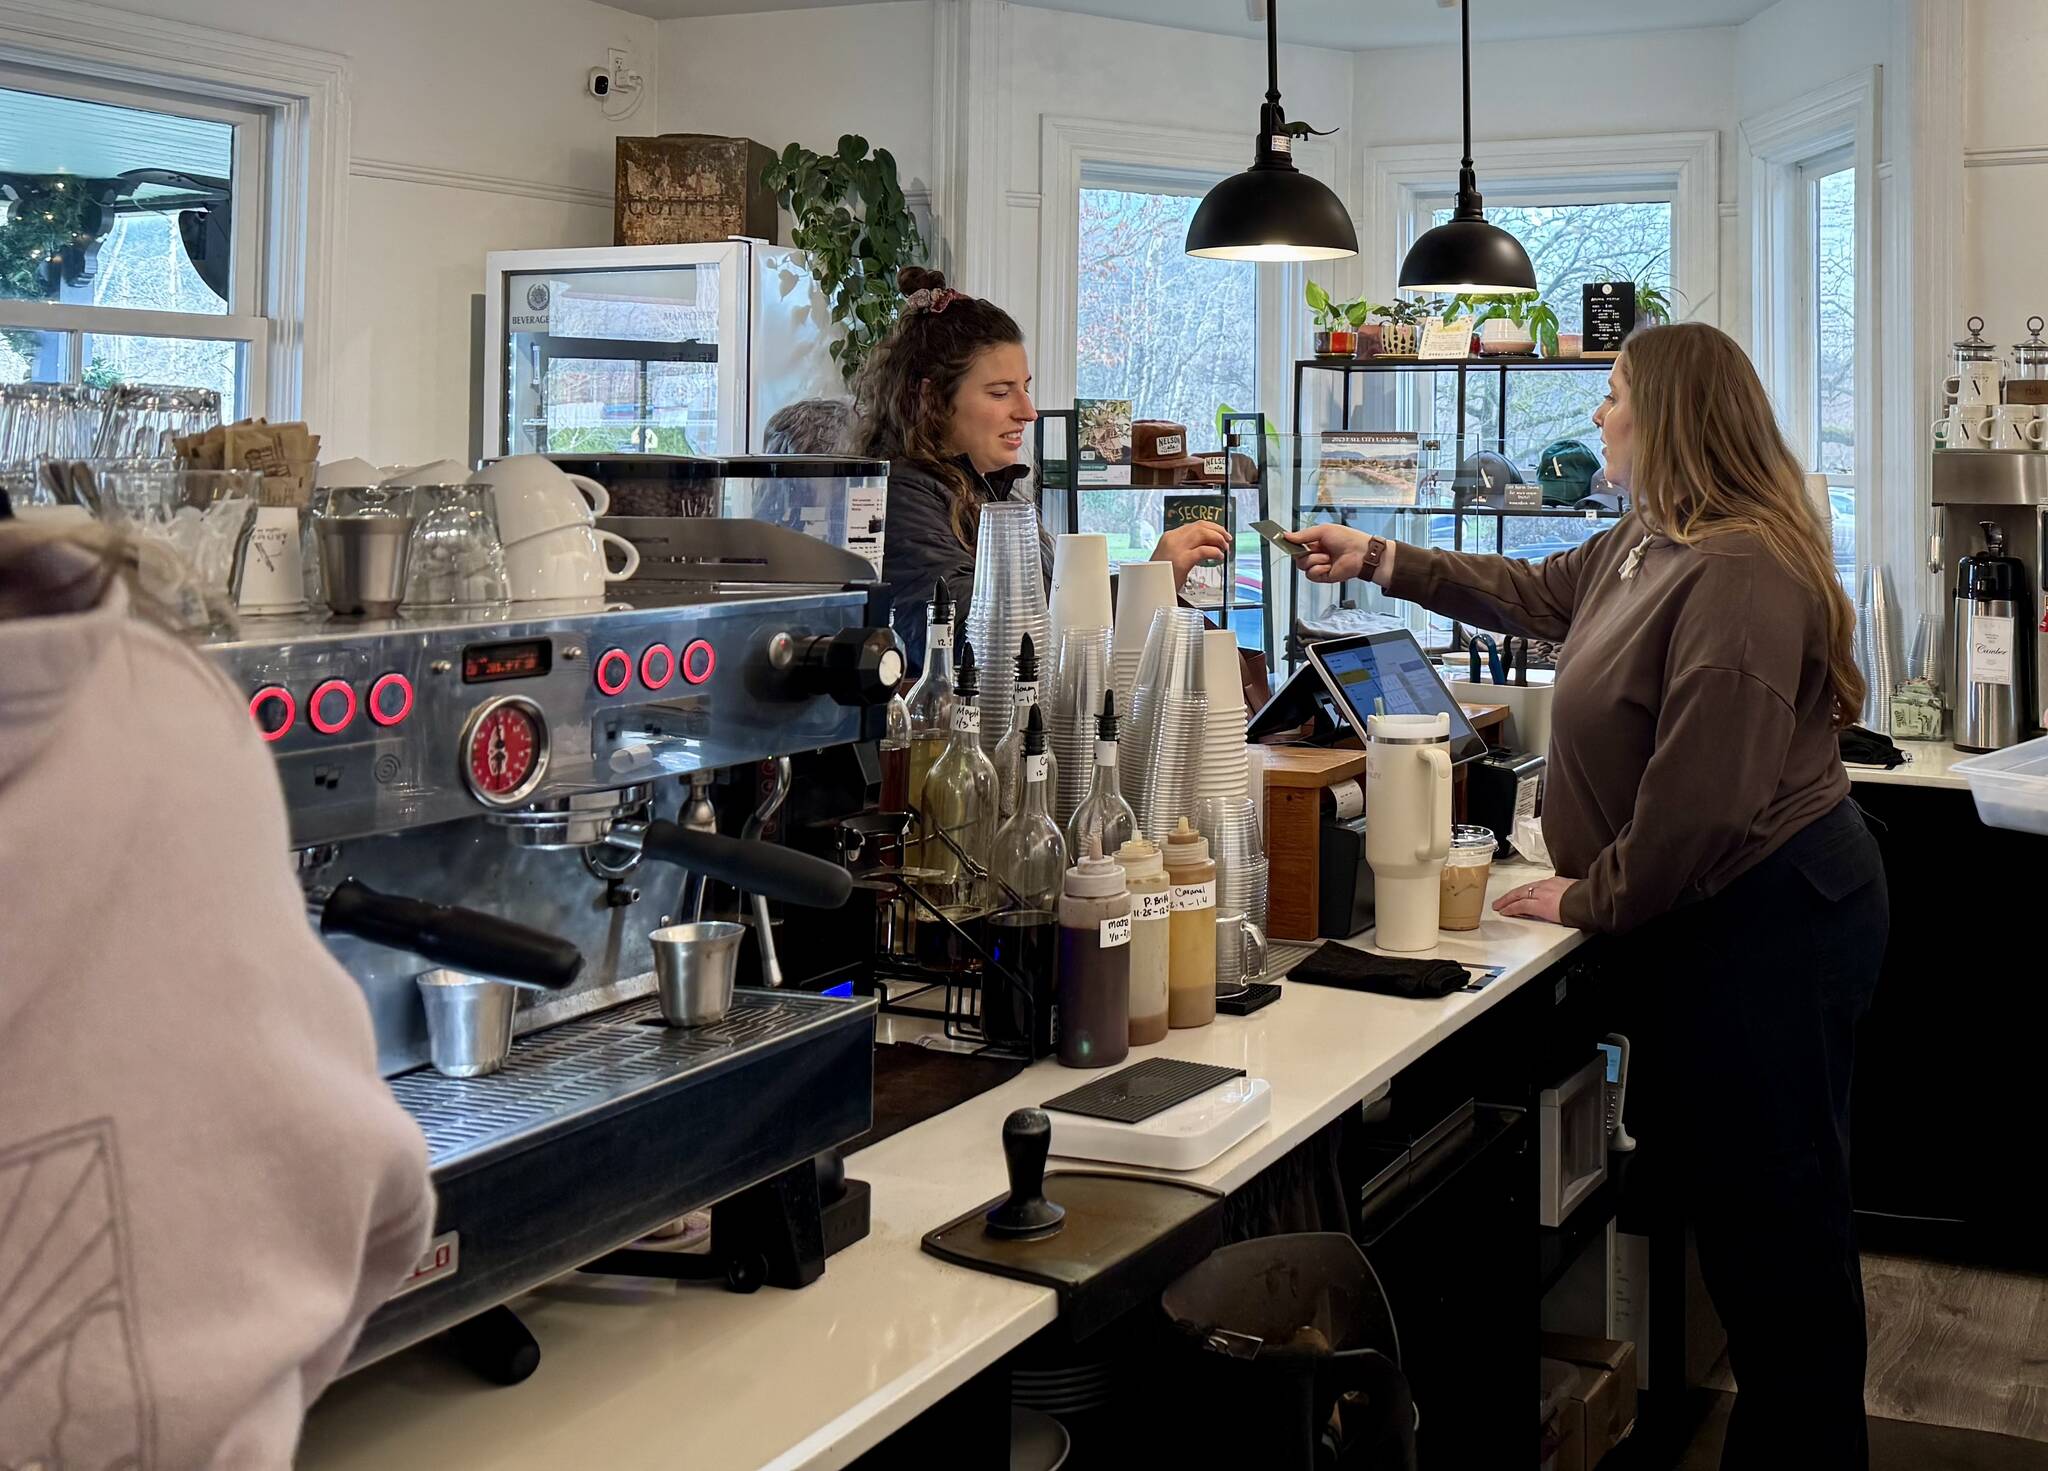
<point>1183,1137</point>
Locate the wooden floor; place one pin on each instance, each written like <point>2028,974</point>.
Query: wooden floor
<point>1959,1346</point>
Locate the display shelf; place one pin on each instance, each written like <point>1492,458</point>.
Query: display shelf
<point>1441,365</point>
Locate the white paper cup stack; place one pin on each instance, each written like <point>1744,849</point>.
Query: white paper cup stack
<point>1159,756</point>
<point>1224,772</point>
<point>1142,589</point>
<point>1008,602</point>
<point>1080,583</point>
<point>1080,678</point>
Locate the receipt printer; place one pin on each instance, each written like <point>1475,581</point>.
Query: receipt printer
<point>1502,787</point>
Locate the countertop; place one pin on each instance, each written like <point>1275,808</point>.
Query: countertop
<point>1930,766</point>
<point>642,1374</point>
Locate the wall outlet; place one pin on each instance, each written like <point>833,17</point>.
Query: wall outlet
<point>617,59</point>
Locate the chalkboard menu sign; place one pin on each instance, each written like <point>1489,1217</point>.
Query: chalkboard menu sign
<point>1610,315</point>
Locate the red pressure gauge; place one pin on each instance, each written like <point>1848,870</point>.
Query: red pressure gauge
<point>657,666</point>
<point>504,750</point>
<point>273,709</point>
<point>699,660</point>
<point>614,671</point>
<point>331,706</point>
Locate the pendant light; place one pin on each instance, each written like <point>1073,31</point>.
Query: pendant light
<point>1272,211</point>
<point>1467,256</point>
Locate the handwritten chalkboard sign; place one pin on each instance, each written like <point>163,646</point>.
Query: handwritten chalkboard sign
<point>1610,315</point>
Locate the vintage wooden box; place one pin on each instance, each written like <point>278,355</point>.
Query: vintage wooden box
<point>685,188</point>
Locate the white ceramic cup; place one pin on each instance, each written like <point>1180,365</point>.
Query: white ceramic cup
<point>1964,427</point>
<point>348,472</point>
<point>568,562</point>
<point>437,472</point>
<point>1980,385</point>
<point>268,576</point>
<point>535,496</point>
<point>2017,426</point>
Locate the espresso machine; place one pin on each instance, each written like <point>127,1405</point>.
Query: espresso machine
<point>1991,531</point>
<point>522,794</point>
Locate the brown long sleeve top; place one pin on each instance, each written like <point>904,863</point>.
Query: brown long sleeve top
<point>1692,733</point>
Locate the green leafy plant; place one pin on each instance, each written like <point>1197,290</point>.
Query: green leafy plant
<point>1332,315</point>
<point>48,224</point>
<point>1408,311</point>
<point>1531,313</point>
<point>1653,303</point>
<point>852,219</point>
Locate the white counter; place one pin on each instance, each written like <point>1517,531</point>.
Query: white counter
<point>1929,766</point>
<point>639,1374</point>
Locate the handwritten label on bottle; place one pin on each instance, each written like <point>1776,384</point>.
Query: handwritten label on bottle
<point>1990,650</point>
<point>1034,768</point>
<point>1116,932</point>
<point>1153,906</point>
<point>1027,696</point>
<point>1105,753</point>
<point>1195,896</point>
<point>967,717</point>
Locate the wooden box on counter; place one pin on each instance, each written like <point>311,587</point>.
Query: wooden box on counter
<point>690,188</point>
<point>1296,777</point>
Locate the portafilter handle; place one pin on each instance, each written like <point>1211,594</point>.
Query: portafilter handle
<point>755,867</point>
<point>462,939</point>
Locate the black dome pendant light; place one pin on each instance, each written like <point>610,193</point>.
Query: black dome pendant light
<point>1272,211</point>
<point>1466,256</point>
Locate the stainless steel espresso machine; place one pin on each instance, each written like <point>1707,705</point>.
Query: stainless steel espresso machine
<point>519,794</point>
<point>1991,534</point>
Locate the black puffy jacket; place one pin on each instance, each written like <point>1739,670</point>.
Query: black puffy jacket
<point>919,547</point>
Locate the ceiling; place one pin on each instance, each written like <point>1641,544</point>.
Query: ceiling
<point>1352,25</point>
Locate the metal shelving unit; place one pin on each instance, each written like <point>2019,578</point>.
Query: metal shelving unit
<point>1500,367</point>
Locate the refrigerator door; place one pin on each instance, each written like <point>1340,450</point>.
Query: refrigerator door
<point>617,350</point>
<point>789,356</point>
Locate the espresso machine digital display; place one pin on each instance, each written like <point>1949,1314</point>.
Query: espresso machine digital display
<point>525,659</point>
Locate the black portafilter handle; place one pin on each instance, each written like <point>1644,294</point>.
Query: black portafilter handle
<point>1027,1140</point>
<point>462,939</point>
<point>750,865</point>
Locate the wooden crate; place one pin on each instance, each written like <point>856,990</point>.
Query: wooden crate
<point>687,188</point>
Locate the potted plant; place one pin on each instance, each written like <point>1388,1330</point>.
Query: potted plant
<point>1401,321</point>
<point>1515,324</point>
<point>1337,322</point>
<point>1653,304</point>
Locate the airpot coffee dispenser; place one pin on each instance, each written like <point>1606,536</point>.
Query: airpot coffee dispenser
<point>1993,646</point>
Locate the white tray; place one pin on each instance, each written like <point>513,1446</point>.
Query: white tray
<point>1184,1137</point>
<point>2010,786</point>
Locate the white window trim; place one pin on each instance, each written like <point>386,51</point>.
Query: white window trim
<point>305,94</point>
<point>1681,167</point>
<point>1074,147</point>
<point>1777,145</point>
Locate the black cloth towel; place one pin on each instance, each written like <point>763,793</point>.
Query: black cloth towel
<point>1861,747</point>
<point>1356,970</point>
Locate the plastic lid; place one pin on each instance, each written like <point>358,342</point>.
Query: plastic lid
<point>1184,846</point>
<point>2033,349</point>
<point>966,683</point>
<point>1034,733</point>
<point>1095,877</point>
<point>1027,661</point>
<point>1105,727</point>
<point>1140,858</point>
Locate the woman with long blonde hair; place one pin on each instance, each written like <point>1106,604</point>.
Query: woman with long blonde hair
<point>1696,801</point>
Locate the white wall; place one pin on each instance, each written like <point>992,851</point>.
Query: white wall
<point>1797,45</point>
<point>477,107</point>
<point>2005,156</point>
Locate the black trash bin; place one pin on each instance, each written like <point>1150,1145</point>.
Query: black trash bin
<point>1277,1330</point>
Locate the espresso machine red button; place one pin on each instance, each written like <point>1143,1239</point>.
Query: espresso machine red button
<point>657,665</point>
<point>390,699</point>
<point>331,707</point>
<point>699,660</point>
<point>273,709</point>
<point>614,671</point>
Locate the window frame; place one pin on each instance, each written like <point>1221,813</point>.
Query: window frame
<point>300,175</point>
<point>1786,152</point>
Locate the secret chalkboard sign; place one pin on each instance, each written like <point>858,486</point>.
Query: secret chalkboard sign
<point>1610,315</point>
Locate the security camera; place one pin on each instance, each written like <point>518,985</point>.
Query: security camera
<point>598,82</point>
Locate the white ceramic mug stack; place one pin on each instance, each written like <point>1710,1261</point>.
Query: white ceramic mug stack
<point>544,519</point>
<point>2017,426</point>
<point>1142,589</point>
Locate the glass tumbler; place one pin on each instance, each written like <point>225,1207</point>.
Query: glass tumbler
<point>458,557</point>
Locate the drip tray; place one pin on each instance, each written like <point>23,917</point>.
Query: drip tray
<point>600,1129</point>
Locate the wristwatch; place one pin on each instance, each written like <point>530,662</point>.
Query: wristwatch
<point>1375,549</point>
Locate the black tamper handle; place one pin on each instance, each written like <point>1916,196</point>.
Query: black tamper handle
<point>1027,1140</point>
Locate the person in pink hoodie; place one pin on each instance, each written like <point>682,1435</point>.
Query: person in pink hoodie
<point>204,1186</point>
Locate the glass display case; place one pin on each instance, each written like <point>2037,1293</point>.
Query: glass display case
<point>649,349</point>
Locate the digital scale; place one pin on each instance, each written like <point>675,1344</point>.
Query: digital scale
<point>1161,1114</point>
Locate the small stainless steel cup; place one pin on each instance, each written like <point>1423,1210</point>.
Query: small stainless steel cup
<point>362,563</point>
<point>693,970</point>
<point>469,1022</point>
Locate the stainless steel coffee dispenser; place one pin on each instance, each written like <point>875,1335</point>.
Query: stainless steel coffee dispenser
<point>1982,496</point>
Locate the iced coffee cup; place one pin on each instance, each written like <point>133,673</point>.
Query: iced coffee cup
<point>1461,895</point>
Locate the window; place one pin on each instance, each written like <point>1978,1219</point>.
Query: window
<point>128,240</point>
<point>1176,336</point>
<point>1828,191</point>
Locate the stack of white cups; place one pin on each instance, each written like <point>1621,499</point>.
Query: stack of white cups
<point>544,520</point>
<point>1226,812</point>
<point>1224,771</point>
<point>1080,583</point>
<point>1142,589</point>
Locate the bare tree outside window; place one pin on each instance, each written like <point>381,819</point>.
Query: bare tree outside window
<point>1833,453</point>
